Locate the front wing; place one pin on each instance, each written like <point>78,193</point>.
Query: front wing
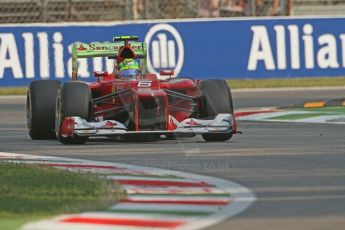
<point>222,123</point>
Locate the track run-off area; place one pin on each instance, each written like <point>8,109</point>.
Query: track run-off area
<point>295,169</point>
<point>155,198</point>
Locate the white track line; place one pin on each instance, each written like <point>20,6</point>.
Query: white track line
<point>167,207</point>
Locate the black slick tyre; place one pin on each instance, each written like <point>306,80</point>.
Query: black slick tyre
<point>215,98</point>
<point>40,109</point>
<point>73,100</point>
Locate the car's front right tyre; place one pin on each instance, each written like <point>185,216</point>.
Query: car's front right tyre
<point>40,108</point>
<point>73,100</point>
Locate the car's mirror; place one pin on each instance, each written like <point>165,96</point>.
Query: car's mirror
<point>100,73</point>
<point>167,72</point>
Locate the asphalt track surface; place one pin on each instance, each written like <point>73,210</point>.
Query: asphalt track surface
<point>297,171</point>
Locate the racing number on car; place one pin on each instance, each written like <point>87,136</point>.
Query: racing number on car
<point>144,84</point>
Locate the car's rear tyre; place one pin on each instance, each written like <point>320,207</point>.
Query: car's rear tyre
<point>40,109</point>
<point>215,98</point>
<point>73,100</point>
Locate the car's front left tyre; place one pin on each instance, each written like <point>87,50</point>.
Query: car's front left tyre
<point>216,98</point>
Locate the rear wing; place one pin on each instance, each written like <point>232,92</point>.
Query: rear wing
<point>107,49</point>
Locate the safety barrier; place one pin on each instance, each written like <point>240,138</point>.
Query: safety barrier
<point>220,48</point>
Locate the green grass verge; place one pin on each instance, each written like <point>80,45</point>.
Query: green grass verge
<point>15,223</point>
<point>30,192</point>
<point>296,116</point>
<point>288,82</point>
<point>243,84</point>
<point>327,109</point>
<point>6,91</point>
<point>312,112</point>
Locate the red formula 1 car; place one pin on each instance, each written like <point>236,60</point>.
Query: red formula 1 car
<point>128,102</point>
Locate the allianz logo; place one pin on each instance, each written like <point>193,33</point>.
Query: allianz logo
<point>304,49</point>
<point>44,55</point>
<point>164,53</point>
<point>19,60</point>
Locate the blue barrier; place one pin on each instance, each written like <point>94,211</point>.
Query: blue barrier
<point>228,48</point>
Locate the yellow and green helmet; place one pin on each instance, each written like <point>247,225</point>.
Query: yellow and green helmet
<point>129,68</point>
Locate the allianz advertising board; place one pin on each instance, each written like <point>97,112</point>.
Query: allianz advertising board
<point>229,48</point>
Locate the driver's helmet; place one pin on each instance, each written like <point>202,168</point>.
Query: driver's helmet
<point>129,69</point>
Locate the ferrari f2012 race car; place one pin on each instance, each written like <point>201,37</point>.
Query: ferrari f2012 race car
<point>129,102</point>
